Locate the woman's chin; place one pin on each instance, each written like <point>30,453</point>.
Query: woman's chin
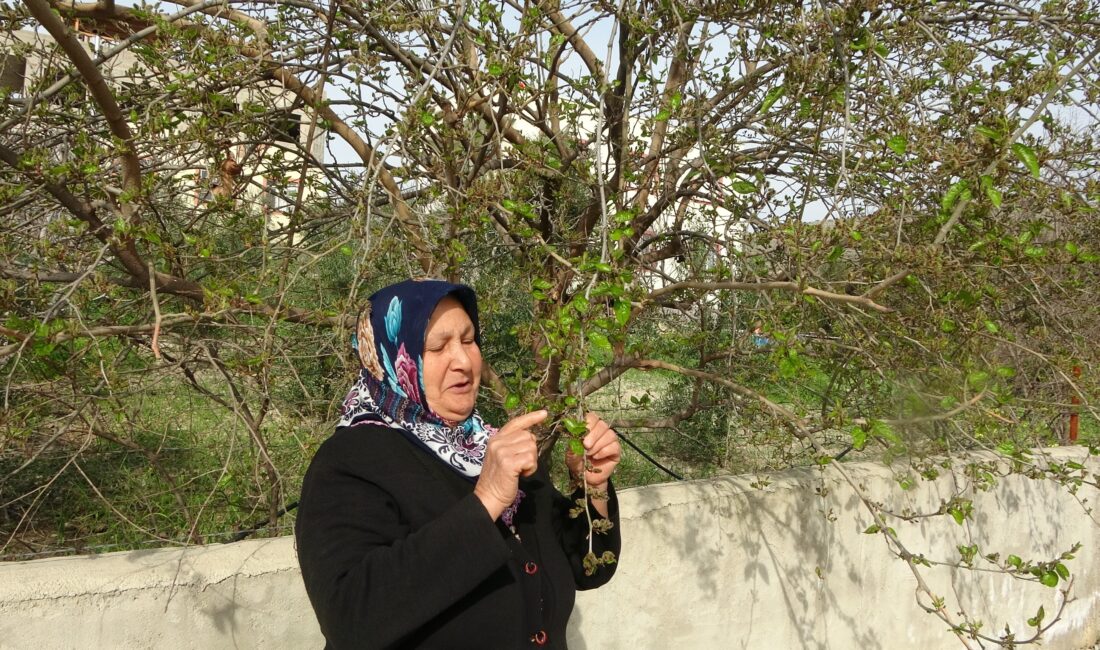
<point>456,411</point>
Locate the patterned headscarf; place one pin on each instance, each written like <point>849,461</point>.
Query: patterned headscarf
<point>390,388</point>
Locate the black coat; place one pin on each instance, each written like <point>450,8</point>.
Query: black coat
<point>396,551</point>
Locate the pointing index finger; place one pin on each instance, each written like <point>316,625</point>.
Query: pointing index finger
<point>526,420</point>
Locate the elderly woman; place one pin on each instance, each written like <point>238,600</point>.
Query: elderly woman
<point>422,526</point>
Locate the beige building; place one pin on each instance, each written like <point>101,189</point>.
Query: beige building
<point>258,165</point>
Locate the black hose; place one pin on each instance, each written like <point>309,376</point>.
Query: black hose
<point>260,525</point>
<point>649,458</point>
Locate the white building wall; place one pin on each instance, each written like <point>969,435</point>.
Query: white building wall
<point>705,564</point>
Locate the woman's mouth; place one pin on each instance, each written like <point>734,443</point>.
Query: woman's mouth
<point>463,387</point>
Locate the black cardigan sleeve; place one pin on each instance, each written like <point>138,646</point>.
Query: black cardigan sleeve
<point>573,535</point>
<point>372,580</point>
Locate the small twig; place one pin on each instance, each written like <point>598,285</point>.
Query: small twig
<point>156,312</point>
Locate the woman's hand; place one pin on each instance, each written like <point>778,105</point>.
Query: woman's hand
<point>510,453</point>
<point>601,446</point>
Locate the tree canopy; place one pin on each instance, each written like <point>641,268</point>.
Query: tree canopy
<point>831,230</point>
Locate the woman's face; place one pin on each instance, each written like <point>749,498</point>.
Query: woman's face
<point>452,362</point>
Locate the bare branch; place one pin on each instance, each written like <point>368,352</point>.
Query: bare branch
<point>862,301</point>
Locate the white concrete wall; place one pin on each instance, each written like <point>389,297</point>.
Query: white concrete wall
<point>706,564</point>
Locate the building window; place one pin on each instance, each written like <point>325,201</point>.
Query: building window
<point>287,127</point>
<point>13,71</point>
<point>279,198</point>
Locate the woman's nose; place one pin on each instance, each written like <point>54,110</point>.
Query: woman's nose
<point>460,358</point>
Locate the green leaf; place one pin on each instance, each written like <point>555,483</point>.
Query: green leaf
<point>519,208</point>
<point>991,327</point>
<point>496,69</point>
<point>957,515</point>
<point>574,426</point>
<point>898,144</point>
<point>663,115</point>
<point>577,447</point>
<point>991,192</point>
<point>599,341</point>
<point>1062,571</point>
<point>622,312</point>
<point>1037,620</point>
<point>1014,561</point>
<point>1067,200</point>
<point>968,552</point>
<point>883,430</point>
<point>743,187</point>
<point>427,119</point>
<point>952,196</point>
<point>772,97</point>
<point>988,132</point>
<point>511,402</point>
<point>859,438</point>
<point>977,379</point>
<point>1027,155</point>
<point>1049,579</point>
<point>872,529</point>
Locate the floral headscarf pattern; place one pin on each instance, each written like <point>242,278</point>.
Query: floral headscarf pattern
<point>390,387</point>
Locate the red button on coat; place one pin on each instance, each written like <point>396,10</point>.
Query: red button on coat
<point>539,638</point>
<point>531,568</point>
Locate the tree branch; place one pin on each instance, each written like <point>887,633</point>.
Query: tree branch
<point>101,94</point>
<point>796,423</point>
<point>793,287</point>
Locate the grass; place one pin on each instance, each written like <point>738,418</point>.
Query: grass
<point>179,459</point>
<point>207,467</point>
<point>1088,430</point>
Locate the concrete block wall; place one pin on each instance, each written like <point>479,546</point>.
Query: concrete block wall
<point>705,564</point>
